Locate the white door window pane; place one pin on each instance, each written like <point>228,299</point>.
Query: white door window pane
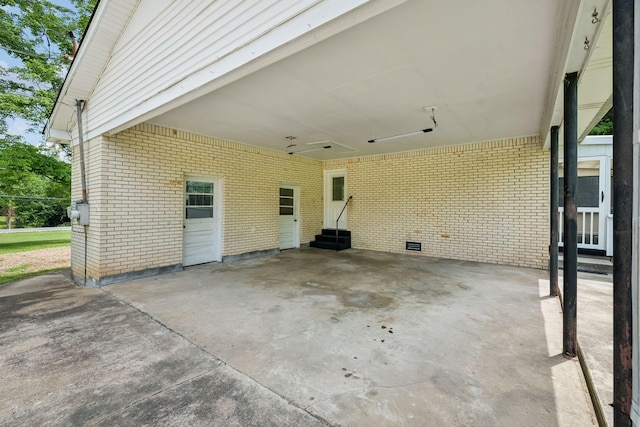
<point>338,188</point>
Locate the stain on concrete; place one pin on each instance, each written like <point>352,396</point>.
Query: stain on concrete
<point>436,354</point>
<point>78,356</point>
<point>217,398</point>
<point>275,309</point>
<point>348,297</point>
<point>366,300</point>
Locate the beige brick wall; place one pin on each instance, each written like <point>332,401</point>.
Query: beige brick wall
<point>483,202</point>
<point>136,195</point>
<point>94,179</point>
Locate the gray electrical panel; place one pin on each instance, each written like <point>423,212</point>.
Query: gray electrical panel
<point>79,211</point>
<point>83,209</point>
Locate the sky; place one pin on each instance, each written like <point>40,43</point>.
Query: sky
<point>19,126</point>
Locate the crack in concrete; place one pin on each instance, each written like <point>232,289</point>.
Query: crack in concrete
<point>401,385</point>
<point>159,322</point>
<point>142,399</point>
<point>221,363</point>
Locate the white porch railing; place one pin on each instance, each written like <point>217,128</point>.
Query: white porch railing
<point>588,222</point>
<point>610,235</point>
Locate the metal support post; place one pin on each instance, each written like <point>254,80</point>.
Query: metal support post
<point>623,75</point>
<point>553,204</point>
<point>570,229</point>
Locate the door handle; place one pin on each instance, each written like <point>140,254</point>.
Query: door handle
<point>601,196</point>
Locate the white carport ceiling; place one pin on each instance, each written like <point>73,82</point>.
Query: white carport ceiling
<point>484,65</point>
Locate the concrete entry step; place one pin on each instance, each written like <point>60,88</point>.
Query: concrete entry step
<point>332,232</point>
<point>591,264</point>
<point>332,239</point>
<point>336,246</point>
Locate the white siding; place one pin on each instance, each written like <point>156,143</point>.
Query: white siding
<point>185,45</point>
<point>184,37</point>
<point>106,26</point>
<point>146,12</point>
<point>109,31</point>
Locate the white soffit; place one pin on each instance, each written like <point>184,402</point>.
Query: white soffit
<point>485,66</point>
<point>595,87</point>
<point>595,65</point>
<point>307,23</point>
<point>107,22</point>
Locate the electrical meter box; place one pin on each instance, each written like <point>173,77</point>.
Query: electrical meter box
<point>83,209</point>
<point>79,211</point>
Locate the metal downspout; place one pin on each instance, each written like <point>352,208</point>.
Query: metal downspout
<point>83,177</point>
<point>623,98</point>
<point>570,251</point>
<point>553,223</point>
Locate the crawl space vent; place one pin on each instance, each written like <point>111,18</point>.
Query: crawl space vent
<point>413,246</point>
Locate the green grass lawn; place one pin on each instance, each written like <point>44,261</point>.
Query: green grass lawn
<point>29,241</point>
<point>22,242</point>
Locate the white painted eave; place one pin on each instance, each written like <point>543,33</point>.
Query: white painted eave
<point>58,136</point>
<point>315,24</point>
<point>593,66</point>
<point>467,118</point>
<point>487,77</point>
<point>107,22</point>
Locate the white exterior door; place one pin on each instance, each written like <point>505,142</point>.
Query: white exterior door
<point>335,196</point>
<point>202,225</point>
<point>289,216</point>
<point>593,201</point>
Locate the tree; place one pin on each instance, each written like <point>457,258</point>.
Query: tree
<point>34,186</point>
<point>36,34</point>
<point>604,126</point>
<point>34,183</point>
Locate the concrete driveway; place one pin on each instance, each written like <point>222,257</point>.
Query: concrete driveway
<point>307,337</point>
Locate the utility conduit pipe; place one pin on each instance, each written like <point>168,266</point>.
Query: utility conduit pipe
<point>83,177</point>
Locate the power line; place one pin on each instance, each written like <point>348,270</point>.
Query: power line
<point>8,196</point>
<point>23,52</point>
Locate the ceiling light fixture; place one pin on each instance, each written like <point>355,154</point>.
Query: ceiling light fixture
<point>308,150</point>
<point>402,135</point>
<point>291,147</point>
<point>417,132</point>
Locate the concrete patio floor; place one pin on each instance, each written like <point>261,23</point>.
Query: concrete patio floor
<point>306,337</point>
<point>77,356</point>
<point>595,335</point>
